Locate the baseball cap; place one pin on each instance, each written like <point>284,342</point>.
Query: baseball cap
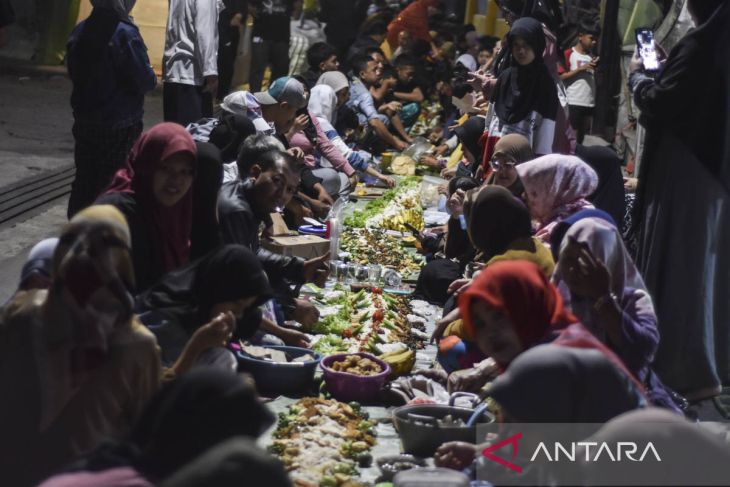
<point>244,103</point>
<point>284,89</point>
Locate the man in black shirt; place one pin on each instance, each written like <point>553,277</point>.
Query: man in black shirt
<point>270,39</point>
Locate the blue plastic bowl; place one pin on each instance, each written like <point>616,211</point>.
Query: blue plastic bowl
<point>277,378</point>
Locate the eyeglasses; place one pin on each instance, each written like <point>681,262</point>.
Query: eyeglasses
<point>498,166</point>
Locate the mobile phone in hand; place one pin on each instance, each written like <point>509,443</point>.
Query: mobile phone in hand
<point>647,49</point>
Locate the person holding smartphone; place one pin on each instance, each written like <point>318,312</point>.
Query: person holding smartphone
<point>681,215</point>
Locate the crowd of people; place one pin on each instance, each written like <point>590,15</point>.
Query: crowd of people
<point>113,349</point>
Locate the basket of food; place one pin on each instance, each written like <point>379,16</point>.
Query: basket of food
<point>279,369</point>
<point>354,376</point>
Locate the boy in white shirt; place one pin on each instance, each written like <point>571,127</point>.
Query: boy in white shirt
<point>580,84</point>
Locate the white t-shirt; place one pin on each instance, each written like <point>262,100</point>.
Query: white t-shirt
<point>581,88</point>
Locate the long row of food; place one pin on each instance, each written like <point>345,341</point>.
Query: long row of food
<point>363,337</point>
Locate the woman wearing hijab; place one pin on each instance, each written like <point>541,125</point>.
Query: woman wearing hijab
<point>469,135</point>
<point>186,418</point>
<point>230,279</point>
<point>499,227</point>
<point>108,65</point>
<point>681,214</point>
<point>603,288</point>
<point>323,104</point>
<point>610,195</point>
<point>512,307</point>
<point>525,98</point>
<point>556,186</point>
<point>79,366</point>
<point>582,385</point>
<point>154,193</point>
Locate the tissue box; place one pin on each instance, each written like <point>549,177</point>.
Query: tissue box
<point>304,246</point>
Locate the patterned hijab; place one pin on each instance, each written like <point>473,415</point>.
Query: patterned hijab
<point>556,187</point>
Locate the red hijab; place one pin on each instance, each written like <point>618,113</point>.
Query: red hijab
<point>520,291</point>
<point>169,227</point>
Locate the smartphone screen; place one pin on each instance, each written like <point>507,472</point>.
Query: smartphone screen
<point>647,49</point>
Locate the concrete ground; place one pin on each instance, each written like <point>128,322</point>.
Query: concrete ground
<point>35,137</point>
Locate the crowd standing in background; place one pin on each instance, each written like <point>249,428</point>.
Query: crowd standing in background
<point>114,350</point>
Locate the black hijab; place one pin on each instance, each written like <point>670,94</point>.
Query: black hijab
<point>469,134</point>
<point>188,295</point>
<point>193,413</point>
<point>523,89</point>
<point>496,219</point>
<point>205,234</point>
<point>610,195</point>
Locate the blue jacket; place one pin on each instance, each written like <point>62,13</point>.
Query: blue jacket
<point>108,64</point>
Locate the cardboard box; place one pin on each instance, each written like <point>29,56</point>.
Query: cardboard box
<point>304,246</point>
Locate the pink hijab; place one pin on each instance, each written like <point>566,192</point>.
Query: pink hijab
<point>169,227</point>
<point>556,186</point>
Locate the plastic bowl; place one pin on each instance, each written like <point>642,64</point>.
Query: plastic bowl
<point>350,387</point>
<point>281,378</point>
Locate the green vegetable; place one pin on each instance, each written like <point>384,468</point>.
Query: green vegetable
<point>276,448</point>
<point>328,481</point>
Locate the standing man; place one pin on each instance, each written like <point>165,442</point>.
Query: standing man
<point>270,39</point>
<point>190,62</point>
<point>108,65</point>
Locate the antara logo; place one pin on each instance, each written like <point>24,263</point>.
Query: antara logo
<point>622,450</point>
<point>591,451</point>
<point>512,440</point>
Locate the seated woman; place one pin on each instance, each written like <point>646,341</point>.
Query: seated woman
<point>79,366</point>
<point>154,193</point>
<point>230,279</point>
<point>186,418</point>
<point>323,104</point>
<point>603,288</point>
<point>499,226</point>
<point>556,186</point>
<point>582,384</point>
<point>511,151</point>
<point>525,97</point>
<point>510,308</point>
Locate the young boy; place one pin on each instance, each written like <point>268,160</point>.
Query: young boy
<point>580,85</point>
<point>321,58</point>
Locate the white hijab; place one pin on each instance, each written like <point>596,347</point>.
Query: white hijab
<point>323,105</point>
<point>121,7</point>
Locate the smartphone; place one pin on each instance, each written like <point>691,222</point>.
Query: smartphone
<point>647,49</point>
